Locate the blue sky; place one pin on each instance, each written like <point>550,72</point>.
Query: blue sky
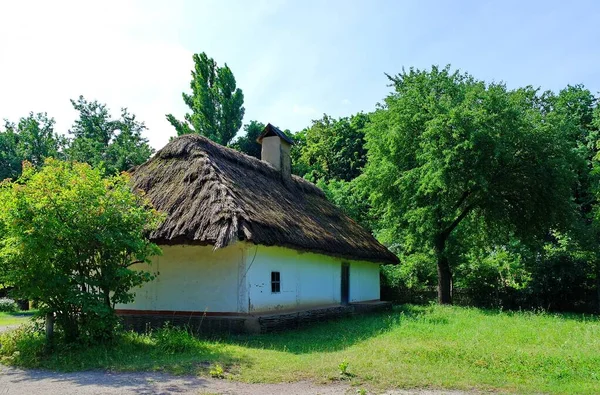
<point>294,60</point>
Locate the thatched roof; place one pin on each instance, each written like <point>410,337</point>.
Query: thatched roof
<point>216,195</point>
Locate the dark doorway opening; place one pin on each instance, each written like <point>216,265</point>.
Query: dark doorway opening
<point>345,283</point>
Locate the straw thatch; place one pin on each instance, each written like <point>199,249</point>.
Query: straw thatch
<point>215,195</point>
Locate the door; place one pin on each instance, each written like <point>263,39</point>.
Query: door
<point>345,283</point>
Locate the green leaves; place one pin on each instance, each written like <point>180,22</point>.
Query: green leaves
<point>113,144</point>
<point>446,146</point>
<point>216,103</point>
<point>247,143</point>
<point>70,238</point>
<point>32,139</point>
<point>333,148</point>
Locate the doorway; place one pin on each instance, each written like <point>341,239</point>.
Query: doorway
<point>345,283</point>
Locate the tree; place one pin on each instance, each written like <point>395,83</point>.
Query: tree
<point>32,139</point>
<point>70,238</point>
<point>10,160</point>
<point>215,101</point>
<point>334,148</point>
<point>445,147</point>
<point>247,142</point>
<point>100,140</point>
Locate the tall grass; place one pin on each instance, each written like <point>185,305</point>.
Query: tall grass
<point>434,346</point>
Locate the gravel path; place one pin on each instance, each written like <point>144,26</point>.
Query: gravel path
<point>38,382</point>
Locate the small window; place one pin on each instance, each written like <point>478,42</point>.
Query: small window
<point>275,282</point>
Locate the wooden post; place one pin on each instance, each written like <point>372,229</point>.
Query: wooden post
<point>49,327</point>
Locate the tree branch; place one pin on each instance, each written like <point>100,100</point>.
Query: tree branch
<point>462,199</point>
<point>457,221</point>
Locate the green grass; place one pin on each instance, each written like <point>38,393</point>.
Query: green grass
<point>434,347</point>
<point>14,318</point>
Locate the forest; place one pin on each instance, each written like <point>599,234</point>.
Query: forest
<point>487,194</point>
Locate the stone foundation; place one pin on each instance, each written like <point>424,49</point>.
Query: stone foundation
<point>258,323</point>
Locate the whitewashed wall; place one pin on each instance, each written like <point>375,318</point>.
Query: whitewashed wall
<point>194,278</point>
<point>307,279</point>
<point>364,281</point>
<point>238,279</point>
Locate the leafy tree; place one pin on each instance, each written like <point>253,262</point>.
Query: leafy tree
<point>351,196</point>
<point>334,148</point>
<point>247,142</point>
<point>32,139</point>
<point>70,238</point>
<point>100,140</point>
<point>216,103</point>
<point>10,160</point>
<point>445,147</point>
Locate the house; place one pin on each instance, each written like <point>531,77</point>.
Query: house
<point>247,246</point>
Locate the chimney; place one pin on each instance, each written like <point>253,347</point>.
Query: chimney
<point>276,150</point>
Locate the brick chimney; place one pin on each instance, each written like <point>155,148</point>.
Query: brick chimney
<point>276,150</point>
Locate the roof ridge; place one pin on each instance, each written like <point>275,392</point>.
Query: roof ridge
<point>259,163</point>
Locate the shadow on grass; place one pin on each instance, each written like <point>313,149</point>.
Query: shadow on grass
<point>330,336</point>
<point>23,314</point>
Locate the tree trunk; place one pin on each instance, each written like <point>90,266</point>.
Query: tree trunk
<point>444,280</point>
<point>598,286</point>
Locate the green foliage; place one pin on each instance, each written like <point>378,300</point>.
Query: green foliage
<point>23,346</point>
<point>113,144</point>
<point>217,372</point>
<point>445,147</point>
<point>70,239</point>
<point>343,367</point>
<point>247,143</point>
<point>173,340</point>
<point>216,104</point>
<point>8,305</point>
<point>333,149</point>
<point>351,197</point>
<point>32,139</point>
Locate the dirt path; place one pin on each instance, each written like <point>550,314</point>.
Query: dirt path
<point>38,382</point>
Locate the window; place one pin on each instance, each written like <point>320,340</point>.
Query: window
<point>275,282</point>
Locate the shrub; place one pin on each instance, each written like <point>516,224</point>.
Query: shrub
<point>24,346</point>
<point>217,372</point>
<point>8,305</point>
<point>64,207</point>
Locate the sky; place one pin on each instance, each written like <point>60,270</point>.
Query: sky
<point>294,60</point>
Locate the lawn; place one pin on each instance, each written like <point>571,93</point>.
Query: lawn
<point>14,318</point>
<point>433,346</point>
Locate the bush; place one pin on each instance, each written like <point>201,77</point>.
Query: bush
<point>8,305</point>
<point>64,207</point>
<point>24,346</point>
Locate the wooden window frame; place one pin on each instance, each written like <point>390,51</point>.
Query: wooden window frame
<point>275,282</point>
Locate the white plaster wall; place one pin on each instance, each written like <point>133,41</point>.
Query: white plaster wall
<point>195,278</point>
<point>307,279</point>
<point>364,281</point>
